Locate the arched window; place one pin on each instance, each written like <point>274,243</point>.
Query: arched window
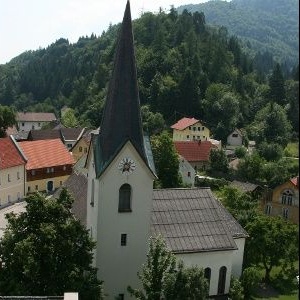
<point>287,197</point>
<point>207,275</point>
<point>222,280</point>
<point>125,198</point>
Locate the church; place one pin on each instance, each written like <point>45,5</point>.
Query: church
<point>123,210</point>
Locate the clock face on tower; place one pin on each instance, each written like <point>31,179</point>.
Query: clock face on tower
<point>126,166</point>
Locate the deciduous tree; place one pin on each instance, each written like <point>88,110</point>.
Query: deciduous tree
<point>46,251</point>
<point>7,119</point>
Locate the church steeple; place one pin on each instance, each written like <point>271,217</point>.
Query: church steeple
<point>122,117</point>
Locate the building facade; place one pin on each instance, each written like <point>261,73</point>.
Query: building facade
<point>31,120</point>
<point>12,171</point>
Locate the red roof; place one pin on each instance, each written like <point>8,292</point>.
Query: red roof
<point>295,181</point>
<point>184,123</point>
<point>35,117</point>
<point>194,150</point>
<point>9,154</point>
<point>46,153</point>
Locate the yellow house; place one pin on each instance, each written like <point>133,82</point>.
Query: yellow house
<point>49,164</point>
<point>190,129</point>
<point>12,171</point>
<point>283,201</point>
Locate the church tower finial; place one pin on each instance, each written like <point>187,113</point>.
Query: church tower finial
<point>122,117</point>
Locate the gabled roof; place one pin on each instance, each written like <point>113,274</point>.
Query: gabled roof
<point>46,153</point>
<point>44,134</point>
<point>76,184</point>
<point>121,121</point>
<point>35,117</point>
<point>10,154</point>
<point>184,123</point>
<point>244,186</point>
<point>295,181</point>
<point>193,220</point>
<point>194,150</point>
<point>71,134</point>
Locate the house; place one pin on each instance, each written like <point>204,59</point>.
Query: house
<point>123,210</point>
<point>235,138</point>
<point>33,120</point>
<point>195,152</point>
<point>252,189</point>
<point>190,129</point>
<point>186,171</point>
<point>12,171</point>
<point>49,164</point>
<point>283,201</point>
<point>82,144</point>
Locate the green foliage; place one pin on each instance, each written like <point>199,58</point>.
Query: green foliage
<point>68,119</point>
<point>250,280</point>
<point>160,263</point>
<point>218,160</point>
<point>276,83</point>
<point>276,240</point>
<point>166,160</point>
<point>292,150</point>
<point>241,205</point>
<point>186,283</point>
<point>153,123</point>
<point>251,167</point>
<point>7,119</point>
<point>236,291</point>
<point>270,151</point>
<point>240,152</point>
<point>46,251</point>
<point>162,279</point>
<point>214,184</point>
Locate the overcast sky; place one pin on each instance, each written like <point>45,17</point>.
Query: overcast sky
<point>30,24</point>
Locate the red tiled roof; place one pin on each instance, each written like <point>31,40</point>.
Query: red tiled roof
<point>35,117</point>
<point>294,181</point>
<point>46,153</point>
<point>184,123</point>
<point>194,150</point>
<point>9,154</point>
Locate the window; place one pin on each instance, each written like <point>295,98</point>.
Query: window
<point>18,175</point>
<point>39,124</point>
<point>32,127</point>
<point>80,149</point>
<point>64,168</point>
<point>190,128</point>
<point>287,197</point>
<point>123,239</point>
<point>285,213</point>
<point>189,174</point>
<point>52,170</point>
<point>93,191</point>
<point>199,128</point>
<point>194,128</point>
<point>202,128</point>
<point>207,275</point>
<point>32,172</point>
<point>121,297</point>
<point>50,186</point>
<point>8,198</point>
<point>85,150</point>
<point>36,187</point>
<point>187,136</point>
<point>23,124</point>
<point>8,177</point>
<point>28,189</point>
<point>125,198</point>
<point>48,170</point>
<point>268,209</point>
<point>222,280</point>
<point>235,135</point>
<point>69,146</point>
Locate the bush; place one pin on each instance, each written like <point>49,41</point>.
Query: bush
<point>270,151</point>
<point>236,291</point>
<point>250,280</point>
<point>240,152</point>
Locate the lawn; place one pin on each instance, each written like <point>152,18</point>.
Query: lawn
<point>292,150</point>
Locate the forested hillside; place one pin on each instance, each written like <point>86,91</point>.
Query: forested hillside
<point>270,27</point>
<point>184,67</point>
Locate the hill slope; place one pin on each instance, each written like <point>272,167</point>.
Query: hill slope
<point>269,25</point>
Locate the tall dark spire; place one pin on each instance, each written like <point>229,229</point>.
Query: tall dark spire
<point>122,117</point>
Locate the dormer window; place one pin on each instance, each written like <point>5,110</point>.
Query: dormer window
<point>125,198</point>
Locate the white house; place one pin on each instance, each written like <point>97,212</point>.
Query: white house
<point>235,138</point>
<point>123,210</point>
<point>186,171</point>
<point>33,120</point>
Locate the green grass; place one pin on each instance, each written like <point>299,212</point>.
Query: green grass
<point>292,150</point>
<point>282,297</point>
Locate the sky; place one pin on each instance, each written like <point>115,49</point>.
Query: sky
<point>33,24</point>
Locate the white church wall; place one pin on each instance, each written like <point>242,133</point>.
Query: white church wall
<point>118,265</point>
<point>238,257</point>
<point>213,260</point>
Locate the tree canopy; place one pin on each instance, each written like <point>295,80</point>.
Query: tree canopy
<point>46,251</point>
<point>7,119</point>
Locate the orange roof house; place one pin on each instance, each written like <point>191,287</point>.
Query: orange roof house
<point>12,171</point>
<point>49,164</point>
<point>195,152</point>
<point>190,129</point>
